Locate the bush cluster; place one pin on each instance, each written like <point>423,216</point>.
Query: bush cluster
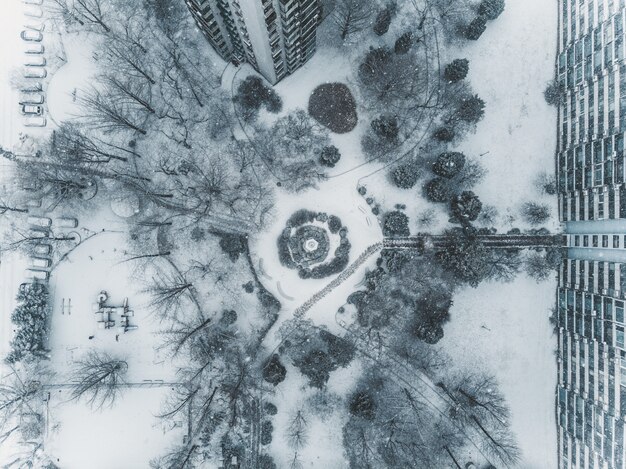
<point>298,229</point>
<point>333,106</point>
<point>252,94</point>
<point>396,223</point>
<point>487,10</point>
<point>31,322</point>
<point>319,355</point>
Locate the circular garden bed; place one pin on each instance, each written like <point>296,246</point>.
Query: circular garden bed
<point>333,106</point>
<point>305,244</point>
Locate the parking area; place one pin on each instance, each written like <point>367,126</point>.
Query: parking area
<point>32,95</point>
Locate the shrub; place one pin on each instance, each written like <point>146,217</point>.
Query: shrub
<point>330,156</point>
<point>438,190</point>
<point>466,206</point>
<point>270,408</point>
<point>228,317</point>
<point>546,183</point>
<point>333,106</point>
<point>471,109</point>
<point>396,223</point>
<point>554,93</point>
<point>266,432</point>
<point>274,372</point>
<point>444,134</point>
<point>386,127</point>
<point>449,164</point>
<point>382,22</point>
<point>265,462</point>
<point>198,234</point>
<point>248,287</point>
<point>535,213</point>
<point>233,245</point>
<point>405,176</point>
<point>491,9</point>
<point>456,70</point>
<point>316,365</point>
<point>252,94</point>
<point>476,28</point>
<point>334,224</point>
<point>362,405</point>
<point>30,318</point>
<point>300,217</point>
<point>340,350</point>
<point>404,43</point>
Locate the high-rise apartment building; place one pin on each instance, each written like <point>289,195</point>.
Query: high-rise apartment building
<point>592,120</point>
<point>276,37</point>
<point>591,393</point>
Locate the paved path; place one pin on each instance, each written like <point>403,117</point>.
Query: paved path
<point>502,241</point>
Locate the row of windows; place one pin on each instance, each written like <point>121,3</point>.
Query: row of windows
<point>577,19</point>
<point>615,241</point>
<point>601,277</point>
<point>593,204</point>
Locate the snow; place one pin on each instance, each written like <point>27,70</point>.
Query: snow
<point>74,76</point>
<point>11,56</point>
<point>127,435</point>
<point>94,266</point>
<point>129,429</point>
<point>510,67</point>
<point>504,329</point>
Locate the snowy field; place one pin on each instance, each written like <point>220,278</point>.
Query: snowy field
<point>504,330</point>
<point>499,328</point>
<point>509,68</point>
<point>126,436</point>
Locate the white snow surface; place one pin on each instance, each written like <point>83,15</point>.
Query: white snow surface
<point>503,329</point>
<point>510,67</point>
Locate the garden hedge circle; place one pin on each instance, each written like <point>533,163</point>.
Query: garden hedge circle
<point>333,106</point>
<point>305,244</point>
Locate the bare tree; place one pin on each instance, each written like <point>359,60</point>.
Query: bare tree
<point>7,207</point>
<point>297,432</point>
<point>20,397</point>
<point>351,16</point>
<point>133,92</point>
<point>131,56</point>
<point>71,145</point>
<point>479,402</point>
<point>92,12</point>
<point>98,378</point>
<point>167,292</point>
<point>105,112</point>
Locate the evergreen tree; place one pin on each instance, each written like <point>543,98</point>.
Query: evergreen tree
<point>404,43</point>
<point>491,9</point>
<point>456,70</point>
<point>476,28</point>
<point>330,156</point>
<point>449,164</point>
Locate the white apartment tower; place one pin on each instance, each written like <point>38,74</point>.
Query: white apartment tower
<point>276,37</point>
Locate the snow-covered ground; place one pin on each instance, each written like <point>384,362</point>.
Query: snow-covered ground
<point>504,330</point>
<point>126,436</point>
<point>510,66</point>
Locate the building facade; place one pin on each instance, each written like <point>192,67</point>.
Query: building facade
<point>276,37</point>
<point>591,390</point>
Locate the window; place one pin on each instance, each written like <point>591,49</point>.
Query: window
<point>615,241</point>
<point>619,336</point>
